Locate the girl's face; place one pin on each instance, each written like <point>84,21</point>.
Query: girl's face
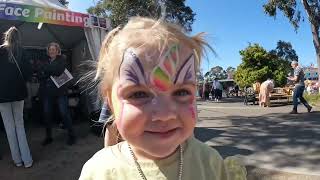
<point>155,107</point>
<point>53,52</point>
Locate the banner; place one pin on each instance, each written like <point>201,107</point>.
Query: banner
<point>36,14</point>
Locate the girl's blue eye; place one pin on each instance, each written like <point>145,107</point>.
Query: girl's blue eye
<point>138,95</point>
<point>181,92</point>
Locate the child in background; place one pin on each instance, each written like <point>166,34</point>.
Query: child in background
<point>147,73</point>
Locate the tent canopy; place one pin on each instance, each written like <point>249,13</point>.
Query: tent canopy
<point>55,4</point>
<point>66,36</point>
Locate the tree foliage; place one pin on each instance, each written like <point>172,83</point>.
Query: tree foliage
<point>285,51</point>
<point>258,65</point>
<point>119,11</point>
<point>64,2</point>
<point>230,72</point>
<point>292,11</point>
<point>216,72</point>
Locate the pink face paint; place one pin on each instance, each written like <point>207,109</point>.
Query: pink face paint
<point>192,109</point>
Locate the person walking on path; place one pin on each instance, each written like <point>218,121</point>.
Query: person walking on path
<point>298,79</point>
<point>49,93</point>
<point>13,91</point>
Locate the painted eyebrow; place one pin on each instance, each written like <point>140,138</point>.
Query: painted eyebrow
<point>180,69</point>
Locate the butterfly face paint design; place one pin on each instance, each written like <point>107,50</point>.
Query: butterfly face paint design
<point>164,75</point>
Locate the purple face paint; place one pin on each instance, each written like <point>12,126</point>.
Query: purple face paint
<point>131,68</point>
<point>187,71</point>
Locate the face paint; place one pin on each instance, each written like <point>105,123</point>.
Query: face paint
<point>145,105</point>
<point>186,71</point>
<point>131,68</point>
<point>162,75</point>
<point>192,110</point>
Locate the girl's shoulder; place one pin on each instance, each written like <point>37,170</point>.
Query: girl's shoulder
<point>98,159</point>
<point>230,167</point>
<point>107,164</point>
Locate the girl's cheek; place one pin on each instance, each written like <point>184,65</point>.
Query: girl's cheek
<point>117,104</point>
<point>192,111</point>
<point>193,108</point>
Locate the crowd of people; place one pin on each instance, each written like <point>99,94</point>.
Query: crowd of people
<point>15,71</point>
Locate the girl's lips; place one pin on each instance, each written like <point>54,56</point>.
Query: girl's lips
<point>163,134</point>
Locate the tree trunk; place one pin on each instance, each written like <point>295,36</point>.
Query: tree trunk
<point>316,43</point>
<point>315,31</point>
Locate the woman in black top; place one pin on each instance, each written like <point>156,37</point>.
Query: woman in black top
<point>50,93</point>
<point>13,91</point>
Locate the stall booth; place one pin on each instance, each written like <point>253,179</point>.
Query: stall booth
<point>79,35</point>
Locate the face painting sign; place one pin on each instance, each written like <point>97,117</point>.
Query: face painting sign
<point>28,13</point>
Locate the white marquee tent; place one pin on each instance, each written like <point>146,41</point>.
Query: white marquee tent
<point>69,31</point>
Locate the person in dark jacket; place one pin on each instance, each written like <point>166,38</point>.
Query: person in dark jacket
<point>13,91</point>
<point>49,93</point>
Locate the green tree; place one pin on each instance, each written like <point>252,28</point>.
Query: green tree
<point>291,10</point>
<point>285,51</point>
<point>256,66</point>
<point>216,72</point>
<point>230,72</point>
<point>64,2</point>
<point>285,55</point>
<point>119,11</point>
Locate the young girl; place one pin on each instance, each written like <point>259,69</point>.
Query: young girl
<point>147,72</point>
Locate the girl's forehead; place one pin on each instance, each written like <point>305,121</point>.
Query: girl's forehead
<point>159,68</point>
<point>152,56</point>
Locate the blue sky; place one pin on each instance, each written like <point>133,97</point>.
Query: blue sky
<point>232,25</point>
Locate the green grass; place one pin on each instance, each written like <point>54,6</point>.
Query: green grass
<point>313,99</point>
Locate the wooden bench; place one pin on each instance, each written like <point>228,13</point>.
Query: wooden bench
<point>278,96</point>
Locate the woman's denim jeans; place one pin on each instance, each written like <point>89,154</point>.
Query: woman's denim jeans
<point>298,93</point>
<point>62,102</point>
<point>12,115</point>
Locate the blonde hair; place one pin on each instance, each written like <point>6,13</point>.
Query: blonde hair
<point>142,33</point>
<point>12,42</point>
<point>56,45</point>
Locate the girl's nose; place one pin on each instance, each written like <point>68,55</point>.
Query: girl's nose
<point>163,109</point>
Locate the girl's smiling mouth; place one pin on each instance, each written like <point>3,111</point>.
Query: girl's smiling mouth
<point>162,133</point>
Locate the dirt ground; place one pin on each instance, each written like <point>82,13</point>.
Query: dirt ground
<point>57,161</point>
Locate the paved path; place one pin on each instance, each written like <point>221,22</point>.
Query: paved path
<point>275,144</point>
